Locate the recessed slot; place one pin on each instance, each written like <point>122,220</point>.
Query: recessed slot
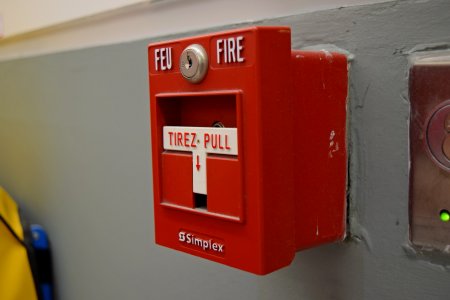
<point>200,201</point>
<point>198,110</point>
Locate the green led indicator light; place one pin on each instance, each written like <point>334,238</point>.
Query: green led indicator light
<point>445,216</point>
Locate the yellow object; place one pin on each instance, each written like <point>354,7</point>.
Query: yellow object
<point>16,279</point>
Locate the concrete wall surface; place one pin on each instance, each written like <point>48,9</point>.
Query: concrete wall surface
<point>75,152</point>
<point>21,16</point>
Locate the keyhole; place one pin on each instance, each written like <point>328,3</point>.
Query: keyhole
<point>188,65</point>
<point>194,63</point>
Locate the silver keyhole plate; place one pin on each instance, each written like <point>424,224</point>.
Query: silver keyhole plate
<point>194,63</point>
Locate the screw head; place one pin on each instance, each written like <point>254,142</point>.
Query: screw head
<point>194,63</point>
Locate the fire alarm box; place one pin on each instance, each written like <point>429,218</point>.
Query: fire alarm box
<point>248,147</point>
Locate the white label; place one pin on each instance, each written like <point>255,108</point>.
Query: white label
<point>205,244</point>
<point>230,50</point>
<point>200,141</point>
<point>163,59</point>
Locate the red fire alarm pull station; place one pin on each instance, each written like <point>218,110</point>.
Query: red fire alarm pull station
<point>249,147</point>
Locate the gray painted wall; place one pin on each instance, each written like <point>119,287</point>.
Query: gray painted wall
<point>75,152</point>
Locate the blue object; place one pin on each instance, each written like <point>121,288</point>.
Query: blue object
<point>40,240</point>
<point>41,248</point>
<point>46,291</point>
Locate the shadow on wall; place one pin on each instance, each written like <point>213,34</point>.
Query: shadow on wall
<point>328,272</point>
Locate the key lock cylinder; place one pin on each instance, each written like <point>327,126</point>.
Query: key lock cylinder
<point>194,63</point>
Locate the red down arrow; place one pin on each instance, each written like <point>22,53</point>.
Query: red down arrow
<point>198,163</point>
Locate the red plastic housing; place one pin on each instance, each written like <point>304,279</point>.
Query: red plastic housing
<point>285,190</point>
